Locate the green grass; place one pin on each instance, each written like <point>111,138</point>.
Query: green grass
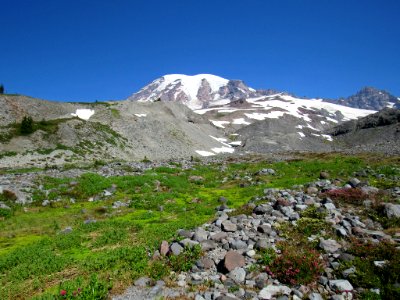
<point>115,113</point>
<point>36,260</point>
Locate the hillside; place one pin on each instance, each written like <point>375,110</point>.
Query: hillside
<point>70,132</point>
<point>379,132</point>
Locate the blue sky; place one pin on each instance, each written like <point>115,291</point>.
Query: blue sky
<point>100,50</point>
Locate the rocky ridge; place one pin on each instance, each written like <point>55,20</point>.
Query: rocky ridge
<point>371,98</point>
<point>379,132</point>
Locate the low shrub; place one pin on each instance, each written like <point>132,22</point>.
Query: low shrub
<point>267,256</point>
<point>296,265</point>
<point>184,261</point>
<point>178,263</point>
<point>349,195</point>
<point>77,289</point>
<point>313,212</point>
<point>158,270</point>
<point>5,213</point>
<point>310,226</point>
<point>367,275</point>
<point>9,195</point>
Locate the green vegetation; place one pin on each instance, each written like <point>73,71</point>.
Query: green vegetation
<point>367,275</point>
<point>26,126</point>
<point>8,153</point>
<point>38,259</point>
<point>115,113</point>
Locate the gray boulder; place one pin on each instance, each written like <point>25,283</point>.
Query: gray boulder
<point>340,285</point>
<point>271,291</point>
<point>330,246</point>
<point>392,210</point>
<point>176,248</point>
<point>238,275</point>
<point>228,226</point>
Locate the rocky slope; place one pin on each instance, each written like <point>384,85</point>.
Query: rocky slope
<point>73,132</point>
<point>379,132</point>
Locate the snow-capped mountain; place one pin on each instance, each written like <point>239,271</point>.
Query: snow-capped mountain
<point>197,91</point>
<point>231,104</point>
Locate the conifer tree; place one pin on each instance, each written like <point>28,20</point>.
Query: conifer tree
<point>26,125</point>
<point>1,89</point>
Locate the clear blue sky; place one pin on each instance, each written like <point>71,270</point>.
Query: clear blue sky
<point>99,50</point>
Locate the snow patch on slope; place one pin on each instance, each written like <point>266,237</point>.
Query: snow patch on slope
<point>220,124</point>
<point>226,148</point>
<point>204,153</point>
<point>83,113</point>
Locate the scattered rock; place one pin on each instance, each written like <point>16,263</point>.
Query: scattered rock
<point>195,178</point>
<point>324,175</point>
<point>266,172</point>
<point>329,246</point>
<point>228,226</point>
<point>312,190</point>
<point>315,296</point>
<point>354,182</point>
<point>340,285</point>
<point>233,260</point>
<point>66,230</point>
<point>3,206</point>
<point>205,263</point>
<point>238,275</point>
<point>272,290</point>
<point>263,209</point>
<point>142,282</point>
<point>392,210</point>
<point>262,244</point>
<point>164,248</point>
<point>176,248</point>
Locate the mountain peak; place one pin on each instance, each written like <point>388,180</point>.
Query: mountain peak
<point>371,98</point>
<point>371,90</point>
<point>195,91</point>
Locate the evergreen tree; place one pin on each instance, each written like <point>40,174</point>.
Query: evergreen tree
<point>26,125</point>
<point>1,89</point>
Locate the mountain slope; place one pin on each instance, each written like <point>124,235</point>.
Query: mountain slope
<point>379,132</point>
<point>77,132</point>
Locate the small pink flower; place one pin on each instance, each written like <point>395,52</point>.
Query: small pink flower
<point>63,292</point>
